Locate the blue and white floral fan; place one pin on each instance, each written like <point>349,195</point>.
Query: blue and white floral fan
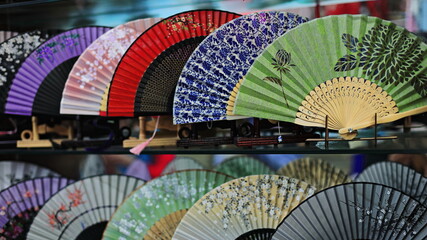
<point>221,61</point>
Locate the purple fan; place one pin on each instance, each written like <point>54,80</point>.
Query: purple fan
<point>38,84</point>
<point>20,203</point>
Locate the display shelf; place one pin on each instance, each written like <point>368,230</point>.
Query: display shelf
<point>410,143</point>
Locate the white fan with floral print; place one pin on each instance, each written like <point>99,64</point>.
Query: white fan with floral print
<point>82,209</point>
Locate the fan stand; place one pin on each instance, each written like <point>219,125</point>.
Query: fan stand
<point>31,138</point>
<point>257,140</point>
<point>193,140</point>
<point>352,136</point>
<point>155,142</point>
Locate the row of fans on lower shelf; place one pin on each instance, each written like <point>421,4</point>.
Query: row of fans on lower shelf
<point>208,65</point>
<point>307,199</point>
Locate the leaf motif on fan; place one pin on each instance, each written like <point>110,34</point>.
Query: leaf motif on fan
<point>346,63</point>
<point>47,52</point>
<point>383,56</point>
<point>350,42</point>
<point>282,63</point>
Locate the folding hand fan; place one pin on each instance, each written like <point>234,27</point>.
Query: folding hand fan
<point>245,208</point>
<point>12,172</point>
<point>348,68</point>
<point>220,62</point>
<point>13,52</point>
<point>82,209</point>
<point>91,75</point>
<point>38,84</point>
<point>145,79</point>
<point>4,35</point>
<point>316,172</point>
<point>242,166</point>
<point>181,163</point>
<point>20,203</point>
<point>356,211</point>
<point>155,209</point>
<point>399,176</point>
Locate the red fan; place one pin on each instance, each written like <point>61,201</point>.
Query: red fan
<point>146,77</point>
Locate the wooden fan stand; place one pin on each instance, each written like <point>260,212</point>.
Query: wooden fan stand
<point>326,139</point>
<point>257,140</point>
<point>31,138</point>
<point>155,142</point>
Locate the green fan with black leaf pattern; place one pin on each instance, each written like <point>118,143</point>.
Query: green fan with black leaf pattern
<point>349,69</point>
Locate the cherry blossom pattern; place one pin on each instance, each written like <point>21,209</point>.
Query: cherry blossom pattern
<point>60,217</point>
<point>244,197</point>
<point>15,50</point>
<point>19,223</point>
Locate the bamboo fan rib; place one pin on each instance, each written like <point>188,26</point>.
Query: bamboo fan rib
<point>91,75</point>
<point>38,84</point>
<point>315,172</point>
<point>356,211</point>
<point>242,166</point>
<point>13,52</point>
<point>397,176</point>
<point>145,79</point>
<point>20,203</point>
<point>5,35</point>
<point>221,60</point>
<point>154,210</point>
<point>12,172</point>
<point>245,208</point>
<point>83,208</point>
<point>182,163</point>
<point>347,67</point>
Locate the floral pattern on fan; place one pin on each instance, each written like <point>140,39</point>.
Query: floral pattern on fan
<point>282,64</point>
<point>16,225</point>
<point>46,52</point>
<point>16,48</point>
<point>223,58</point>
<point>387,219</point>
<point>250,193</point>
<point>185,23</point>
<point>383,55</point>
<point>110,48</point>
<point>61,217</point>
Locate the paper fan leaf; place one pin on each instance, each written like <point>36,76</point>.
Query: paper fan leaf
<point>241,206</point>
<point>182,163</point>
<point>242,166</point>
<point>346,67</point>
<point>20,203</point>
<point>350,42</point>
<point>154,210</point>
<point>356,211</point>
<point>346,63</point>
<point>82,208</point>
<point>315,172</point>
<point>37,86</point>
<point>92,73</point>
<point>13,52</point>
<point>12,172</point>
<point>145,79</point>
<point>221,60</point>
<point>397,176</point>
